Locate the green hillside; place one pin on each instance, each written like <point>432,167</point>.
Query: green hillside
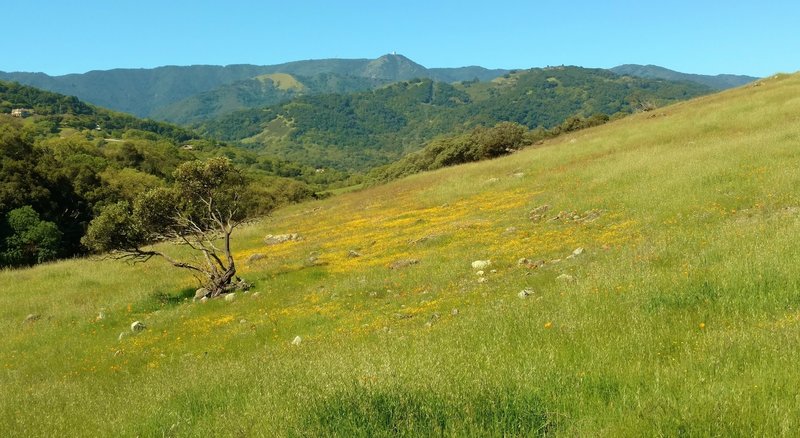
<point>656,295</point>
<point>717,82</point>
<point>261,91</point>
<point>66,160</point>
<point>355,132</point>
<point>147,92</point>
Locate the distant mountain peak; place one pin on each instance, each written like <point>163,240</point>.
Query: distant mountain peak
<point>394,67</point>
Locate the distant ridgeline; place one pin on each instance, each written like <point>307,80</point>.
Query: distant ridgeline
<point>358,131</point>
<point>62,160</point>
<point>156,92</point>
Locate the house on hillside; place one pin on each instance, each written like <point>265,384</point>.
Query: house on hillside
<point>21,112</point>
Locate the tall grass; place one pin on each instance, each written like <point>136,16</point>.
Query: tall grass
<point>682,317</point>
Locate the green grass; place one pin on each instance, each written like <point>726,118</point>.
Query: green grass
<point>683,319</point>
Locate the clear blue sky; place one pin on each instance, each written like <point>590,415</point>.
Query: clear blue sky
<point>709,37</point>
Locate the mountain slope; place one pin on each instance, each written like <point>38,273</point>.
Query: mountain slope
<point>677,316</point>
<point>146,92</point>
<point>362,130</point>
<point>717,82</point>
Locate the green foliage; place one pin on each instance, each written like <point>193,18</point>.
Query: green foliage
<point>29,240</point>
<point>359,131</point>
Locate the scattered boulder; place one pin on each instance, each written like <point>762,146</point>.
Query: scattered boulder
<point>578,251</point>
<point>201,293</point>
<point>538,213</point>
<point>398,264</point>
<point>479,273</point>
<point>31,318</point>
<point>100,316</point>
<point>230,297</point>
<point>519,175</point>
<point>510,230</point>
<point>565,278</point>
<point>525,293</point>
<point>482,280</point>
<point>353,254</point>
<point>481,264</point>
<point>137,326</point>
<point>454,312</point>
<point>531,264</point>
<point>492,180</point>
<point>297,340</point>
<point>574,216</point>
<point>203,300</point>
<point>256,294</point>
<point>122,336</point>
<point>256,257</point>
<point>275,239</point>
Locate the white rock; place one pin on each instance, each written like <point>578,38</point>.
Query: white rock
<point>121,336</point>
<point>482,280</point>
<point>479,273</point>
<point>255,294</point>
<point>525,293</point>
<point>566,278</point>
<point>481,264</point>
<point>230,297</point>
<point>137,326</point>
<point>297,340</point>
<point>578,251</point>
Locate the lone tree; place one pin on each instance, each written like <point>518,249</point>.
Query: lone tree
<point>200,211</point>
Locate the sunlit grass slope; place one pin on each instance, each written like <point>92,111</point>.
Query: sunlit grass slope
<point>680,316</point>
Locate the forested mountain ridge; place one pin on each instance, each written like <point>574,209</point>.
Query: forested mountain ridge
<point>717,82</point>
<point>143,92</point>
<point>361,130</point>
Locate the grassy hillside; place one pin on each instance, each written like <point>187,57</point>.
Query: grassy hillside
<point>680,316</point>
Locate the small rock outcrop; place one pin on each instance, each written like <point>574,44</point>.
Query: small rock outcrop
<point>297,340</point>
<point>200,293</point>
<point>525,293</point>
<point>481,264</point>
<point>537,214</point>
<point>275,239</point>
<point>137,326</point>
<point>31,318</point>
<point>398,264</point>
<point>255,257</point>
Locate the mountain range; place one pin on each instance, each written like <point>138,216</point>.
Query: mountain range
<point>189,94</point>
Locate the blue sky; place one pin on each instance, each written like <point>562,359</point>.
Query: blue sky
<point>709,37</point>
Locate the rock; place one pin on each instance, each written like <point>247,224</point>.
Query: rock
<point>454,312</point>
<point>230,297</point>
<point>137,326</point>
<point>578,251</point>
<point>397,264</point>
<point>255,257</point>
<point>481,264</point>
<point>554,261</point>
<point>275,239</point>
<point>200,293</point>
<point>479,273</point>
<point>492,180</point>
<point>519,175</point>
<point>297,340</point>
<point>31,318</point>
<point>100,316</point>
<point>353,254</point>
<point>242,321</point>
<point>256,294</point>
<point>528,263</point>
<point>525,293</point>
<point>240,284</point>
<point>493,271</point>
<point>482,280</point>
<point>565,278</point>
<point>542,209</point>
<point>122,336</point>
<point>510,230</point>
<point>204,299</point>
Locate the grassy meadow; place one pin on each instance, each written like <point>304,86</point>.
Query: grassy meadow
<point>681,316</point>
